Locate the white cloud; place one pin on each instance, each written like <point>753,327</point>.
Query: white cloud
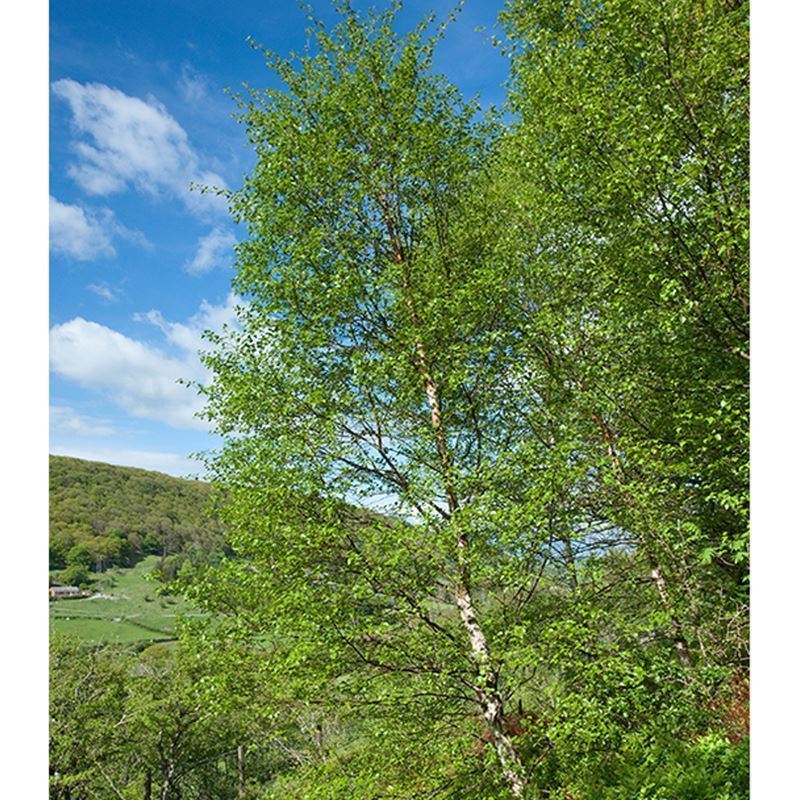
<point>77,234</point>
<point>127,142</point>
<point>87,234</point>
<point>171,463</point>
<point>137,377</point>
<point>213,250</point>
<point>188,336</point>
<point>140,378</point>
<point>66,420</point>
<point>101,290</point>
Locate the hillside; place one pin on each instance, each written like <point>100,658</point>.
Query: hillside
<point>103,515</point>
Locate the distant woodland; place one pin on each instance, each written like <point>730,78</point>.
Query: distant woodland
<point>103,516</point>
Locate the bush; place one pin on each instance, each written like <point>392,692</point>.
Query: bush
<point>709,769</point>
<point>79,556</point>
<point>76,575</point>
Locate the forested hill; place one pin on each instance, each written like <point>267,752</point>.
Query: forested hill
<point>103,515</point>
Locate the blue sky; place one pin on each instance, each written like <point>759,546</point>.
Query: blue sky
<point>139,265</point>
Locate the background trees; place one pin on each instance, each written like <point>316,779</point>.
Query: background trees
<point>151,725</point>
<point>112,516</point>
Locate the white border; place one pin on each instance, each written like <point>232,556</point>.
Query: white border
<point>23,470</point>
<point>775,393</point>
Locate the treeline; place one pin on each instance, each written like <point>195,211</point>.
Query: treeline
<point>103,515</point>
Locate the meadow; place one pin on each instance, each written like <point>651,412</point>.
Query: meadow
<point>131,611</point>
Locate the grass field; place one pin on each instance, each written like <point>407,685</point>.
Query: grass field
<point>136,614</point>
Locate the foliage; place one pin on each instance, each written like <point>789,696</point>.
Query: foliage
<point>122,721</point>
<point>87,695</point>
<point>709,769</point>
<point>75,575</point>
<point>637,322</point>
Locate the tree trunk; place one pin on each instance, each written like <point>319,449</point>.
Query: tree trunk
<point>166,787</point>
<point>681,647</point>
<point>240,768</point>
<point>678,638</point>
<point>566,540</point>
<point>148,785</point>
<point>569,558</point>
<point>488,696</point>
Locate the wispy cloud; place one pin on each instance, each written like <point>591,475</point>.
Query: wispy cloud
<point>126,142</point>
<point>77,234</point>
<point>188,336</point>
<point>140,378</point>
<point>66,420</point>
<point>213,250</point>
<point>101,290</point>
<point>192,84</point>
<point>172,463</point>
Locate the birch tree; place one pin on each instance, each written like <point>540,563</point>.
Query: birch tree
<point>374,367</point>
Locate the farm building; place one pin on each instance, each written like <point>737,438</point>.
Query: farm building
<point>65,591</point>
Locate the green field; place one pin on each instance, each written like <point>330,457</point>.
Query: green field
<point>135,614</point>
